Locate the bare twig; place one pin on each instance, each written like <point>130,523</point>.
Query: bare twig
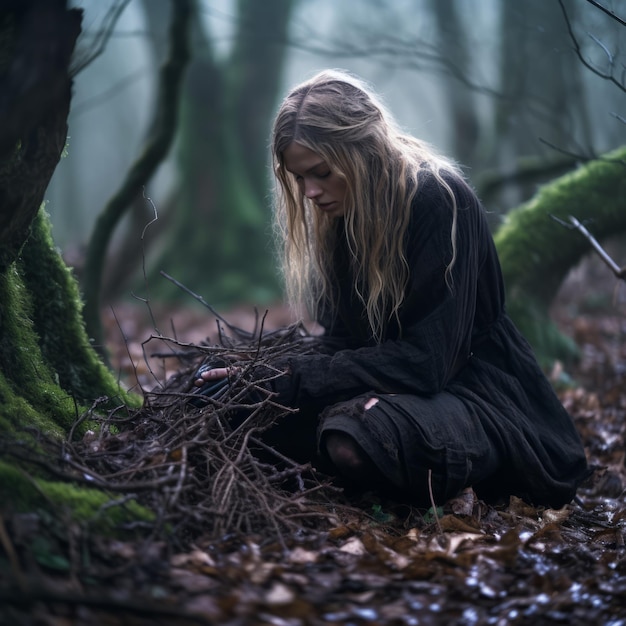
<point>7,544</point>
<point>204,303</point>
<point>432,501</point>
<point>102,36</point>
<point>605,75</point>
<point>619,272</point>
<point>610,13</point>
<point>206,470</point>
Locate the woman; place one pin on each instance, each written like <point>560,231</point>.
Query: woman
<point>424,382</point>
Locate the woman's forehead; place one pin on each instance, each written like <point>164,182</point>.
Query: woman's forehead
<point>299,159</point>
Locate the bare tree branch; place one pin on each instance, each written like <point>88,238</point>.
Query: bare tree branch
<point>610,13</point>
<point>619,272</point>
<point>605,75</point>
<point>102,37</point>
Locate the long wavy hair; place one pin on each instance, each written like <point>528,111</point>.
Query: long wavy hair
<point>338,117</point>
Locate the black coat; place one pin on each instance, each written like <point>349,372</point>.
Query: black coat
<point>473,403</point>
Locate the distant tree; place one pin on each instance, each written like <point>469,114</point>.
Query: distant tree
<point>156,146</point>
<point>461,101</point>
<point>218,226</point>
<point>541,89</point>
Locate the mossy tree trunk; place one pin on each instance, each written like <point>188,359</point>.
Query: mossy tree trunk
<point>537,252</point>
<point>48,369</point>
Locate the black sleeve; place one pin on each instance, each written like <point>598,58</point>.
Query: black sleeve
<point>437,317</point>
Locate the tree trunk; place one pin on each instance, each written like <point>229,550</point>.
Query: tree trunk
<point>537,252</point>
<point>541,87</point>
<point>218,243</point>
<point>48,369</point>
<point>461,101</point>
<point>35,88</point>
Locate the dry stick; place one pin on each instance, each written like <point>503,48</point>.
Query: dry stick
<point>5,540</point>
<point>608,11</point>
<point>181,477</point>
<point>619,272</point>
<point>270,512</point>
<point>128,352</point>
<point>85,416</point>
<point>140,485</point>
<point>146,358</point>
<point>581,57</point>
<point>296,469</point>
<point>204,303</point>
<point>432,500</point>
<point>239,490</point>
<point>232,467</point>
<point>143,259</point>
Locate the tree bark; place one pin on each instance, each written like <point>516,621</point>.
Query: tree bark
<point>36,88</point>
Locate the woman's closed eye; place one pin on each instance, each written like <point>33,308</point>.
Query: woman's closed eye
<point>324,174</point>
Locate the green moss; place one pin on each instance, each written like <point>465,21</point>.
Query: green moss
<point>27,494</point>
<point>58,322</point>
<point>28,387</point>
<point>536,252</point>
<point>16,412</point>
<point>48,374</point>
<point>548,342</point>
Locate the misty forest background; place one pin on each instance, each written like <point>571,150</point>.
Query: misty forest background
<point>498,86</point>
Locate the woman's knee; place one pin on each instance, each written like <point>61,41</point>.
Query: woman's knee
<point>344,452</point>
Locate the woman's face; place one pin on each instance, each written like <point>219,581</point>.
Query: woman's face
<point>315,179</point>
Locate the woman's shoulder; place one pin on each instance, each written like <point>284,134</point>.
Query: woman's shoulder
<point>443,181</point>
<point>433,194</point>
<point>433,203</point>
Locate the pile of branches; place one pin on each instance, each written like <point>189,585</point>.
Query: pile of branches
<point>200,462</point>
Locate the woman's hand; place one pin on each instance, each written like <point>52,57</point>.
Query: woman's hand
<point>211,382</point>
<point>215,374</point>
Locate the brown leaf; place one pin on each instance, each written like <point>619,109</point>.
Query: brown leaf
<point>456,524</point>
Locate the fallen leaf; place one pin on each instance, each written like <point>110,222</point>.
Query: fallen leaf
<point>279,594</point>
<point>353,546</point>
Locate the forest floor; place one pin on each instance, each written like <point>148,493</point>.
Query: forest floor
<point>366,561</point>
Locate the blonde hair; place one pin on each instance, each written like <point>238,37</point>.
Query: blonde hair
<point>336,116</point>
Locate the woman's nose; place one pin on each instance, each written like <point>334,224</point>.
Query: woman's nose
<point>311,190</point>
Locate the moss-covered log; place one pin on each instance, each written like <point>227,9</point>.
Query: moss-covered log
<point>537,252</point>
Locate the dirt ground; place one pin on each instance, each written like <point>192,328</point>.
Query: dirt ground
<point>367,561</point>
